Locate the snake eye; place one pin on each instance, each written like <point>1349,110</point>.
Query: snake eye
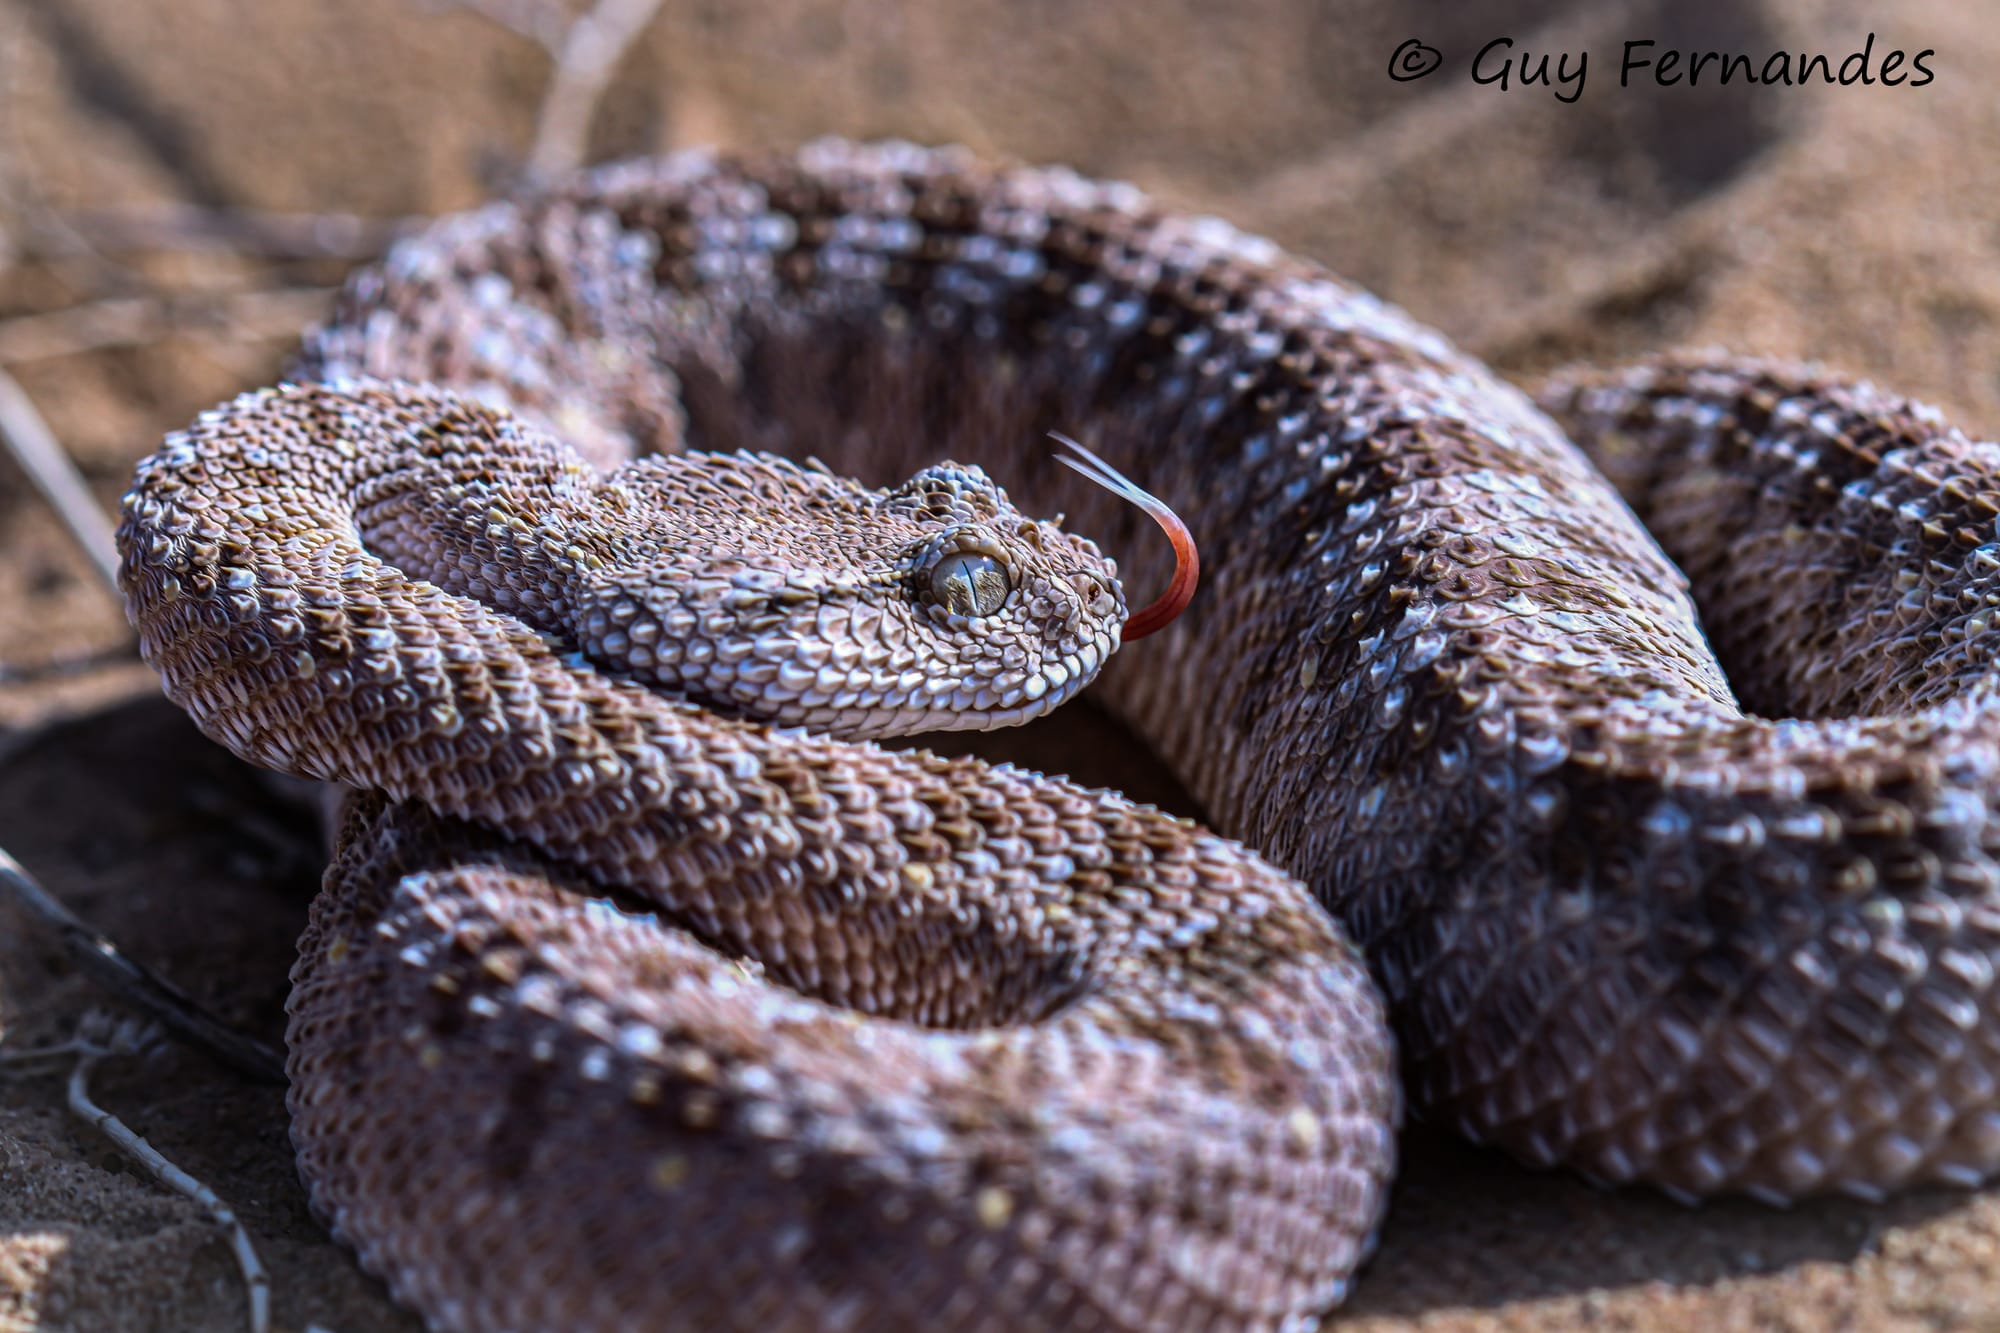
<point>969,583</point>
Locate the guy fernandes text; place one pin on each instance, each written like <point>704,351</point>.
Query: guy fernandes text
<point>1501,63</point>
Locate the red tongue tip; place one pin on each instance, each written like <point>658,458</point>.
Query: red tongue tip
<point>1161,612</point>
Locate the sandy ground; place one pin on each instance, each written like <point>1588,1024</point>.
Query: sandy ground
<point>1851,224</point>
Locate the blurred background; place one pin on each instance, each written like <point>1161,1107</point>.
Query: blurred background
<point>182,185</point>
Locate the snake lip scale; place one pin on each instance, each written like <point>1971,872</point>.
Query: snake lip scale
<point>644,991</point>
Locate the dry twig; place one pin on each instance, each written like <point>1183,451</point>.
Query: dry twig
<point>105,964</point>
<point>98,1037</point>
<point>66,666</point>
<point>591,50</point>
<point>141,320</point>
<point>542,22</point>
<point>34,446</point>
<point>586,53</point>
<point>256,1280</point>
<point>243,232</point>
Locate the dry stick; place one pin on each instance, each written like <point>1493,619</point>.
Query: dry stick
<point>256,1281</point>
<point>99,959</point>
<point>68,665</point>
<point>118,323</point>
<point>591,50</point>
<point>137,321</point>
<point>34,447</point>
<point>243,232</point>
<point>539,21</point>
<point>42,229</point>
<point>16,739</point>
<point>98,1036</point>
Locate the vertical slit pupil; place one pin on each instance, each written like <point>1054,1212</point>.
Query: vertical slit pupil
<point>970,584</point>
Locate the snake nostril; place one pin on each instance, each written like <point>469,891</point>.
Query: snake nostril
<point>1097,594</point>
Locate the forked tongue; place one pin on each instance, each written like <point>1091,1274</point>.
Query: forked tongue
<point>1187,560</point>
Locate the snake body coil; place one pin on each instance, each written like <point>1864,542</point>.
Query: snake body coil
<point>618,1013</point>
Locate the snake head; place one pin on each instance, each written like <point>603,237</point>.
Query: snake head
<point>781,593</point>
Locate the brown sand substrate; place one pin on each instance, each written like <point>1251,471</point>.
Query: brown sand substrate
<point>1855,225</point>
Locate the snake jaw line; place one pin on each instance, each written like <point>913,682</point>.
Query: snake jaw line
<point>1164,609</point>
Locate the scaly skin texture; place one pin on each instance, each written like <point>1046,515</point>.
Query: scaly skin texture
<point>1011,1053</point>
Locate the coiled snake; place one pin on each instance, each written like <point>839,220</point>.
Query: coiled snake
<point>617,1011</point>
